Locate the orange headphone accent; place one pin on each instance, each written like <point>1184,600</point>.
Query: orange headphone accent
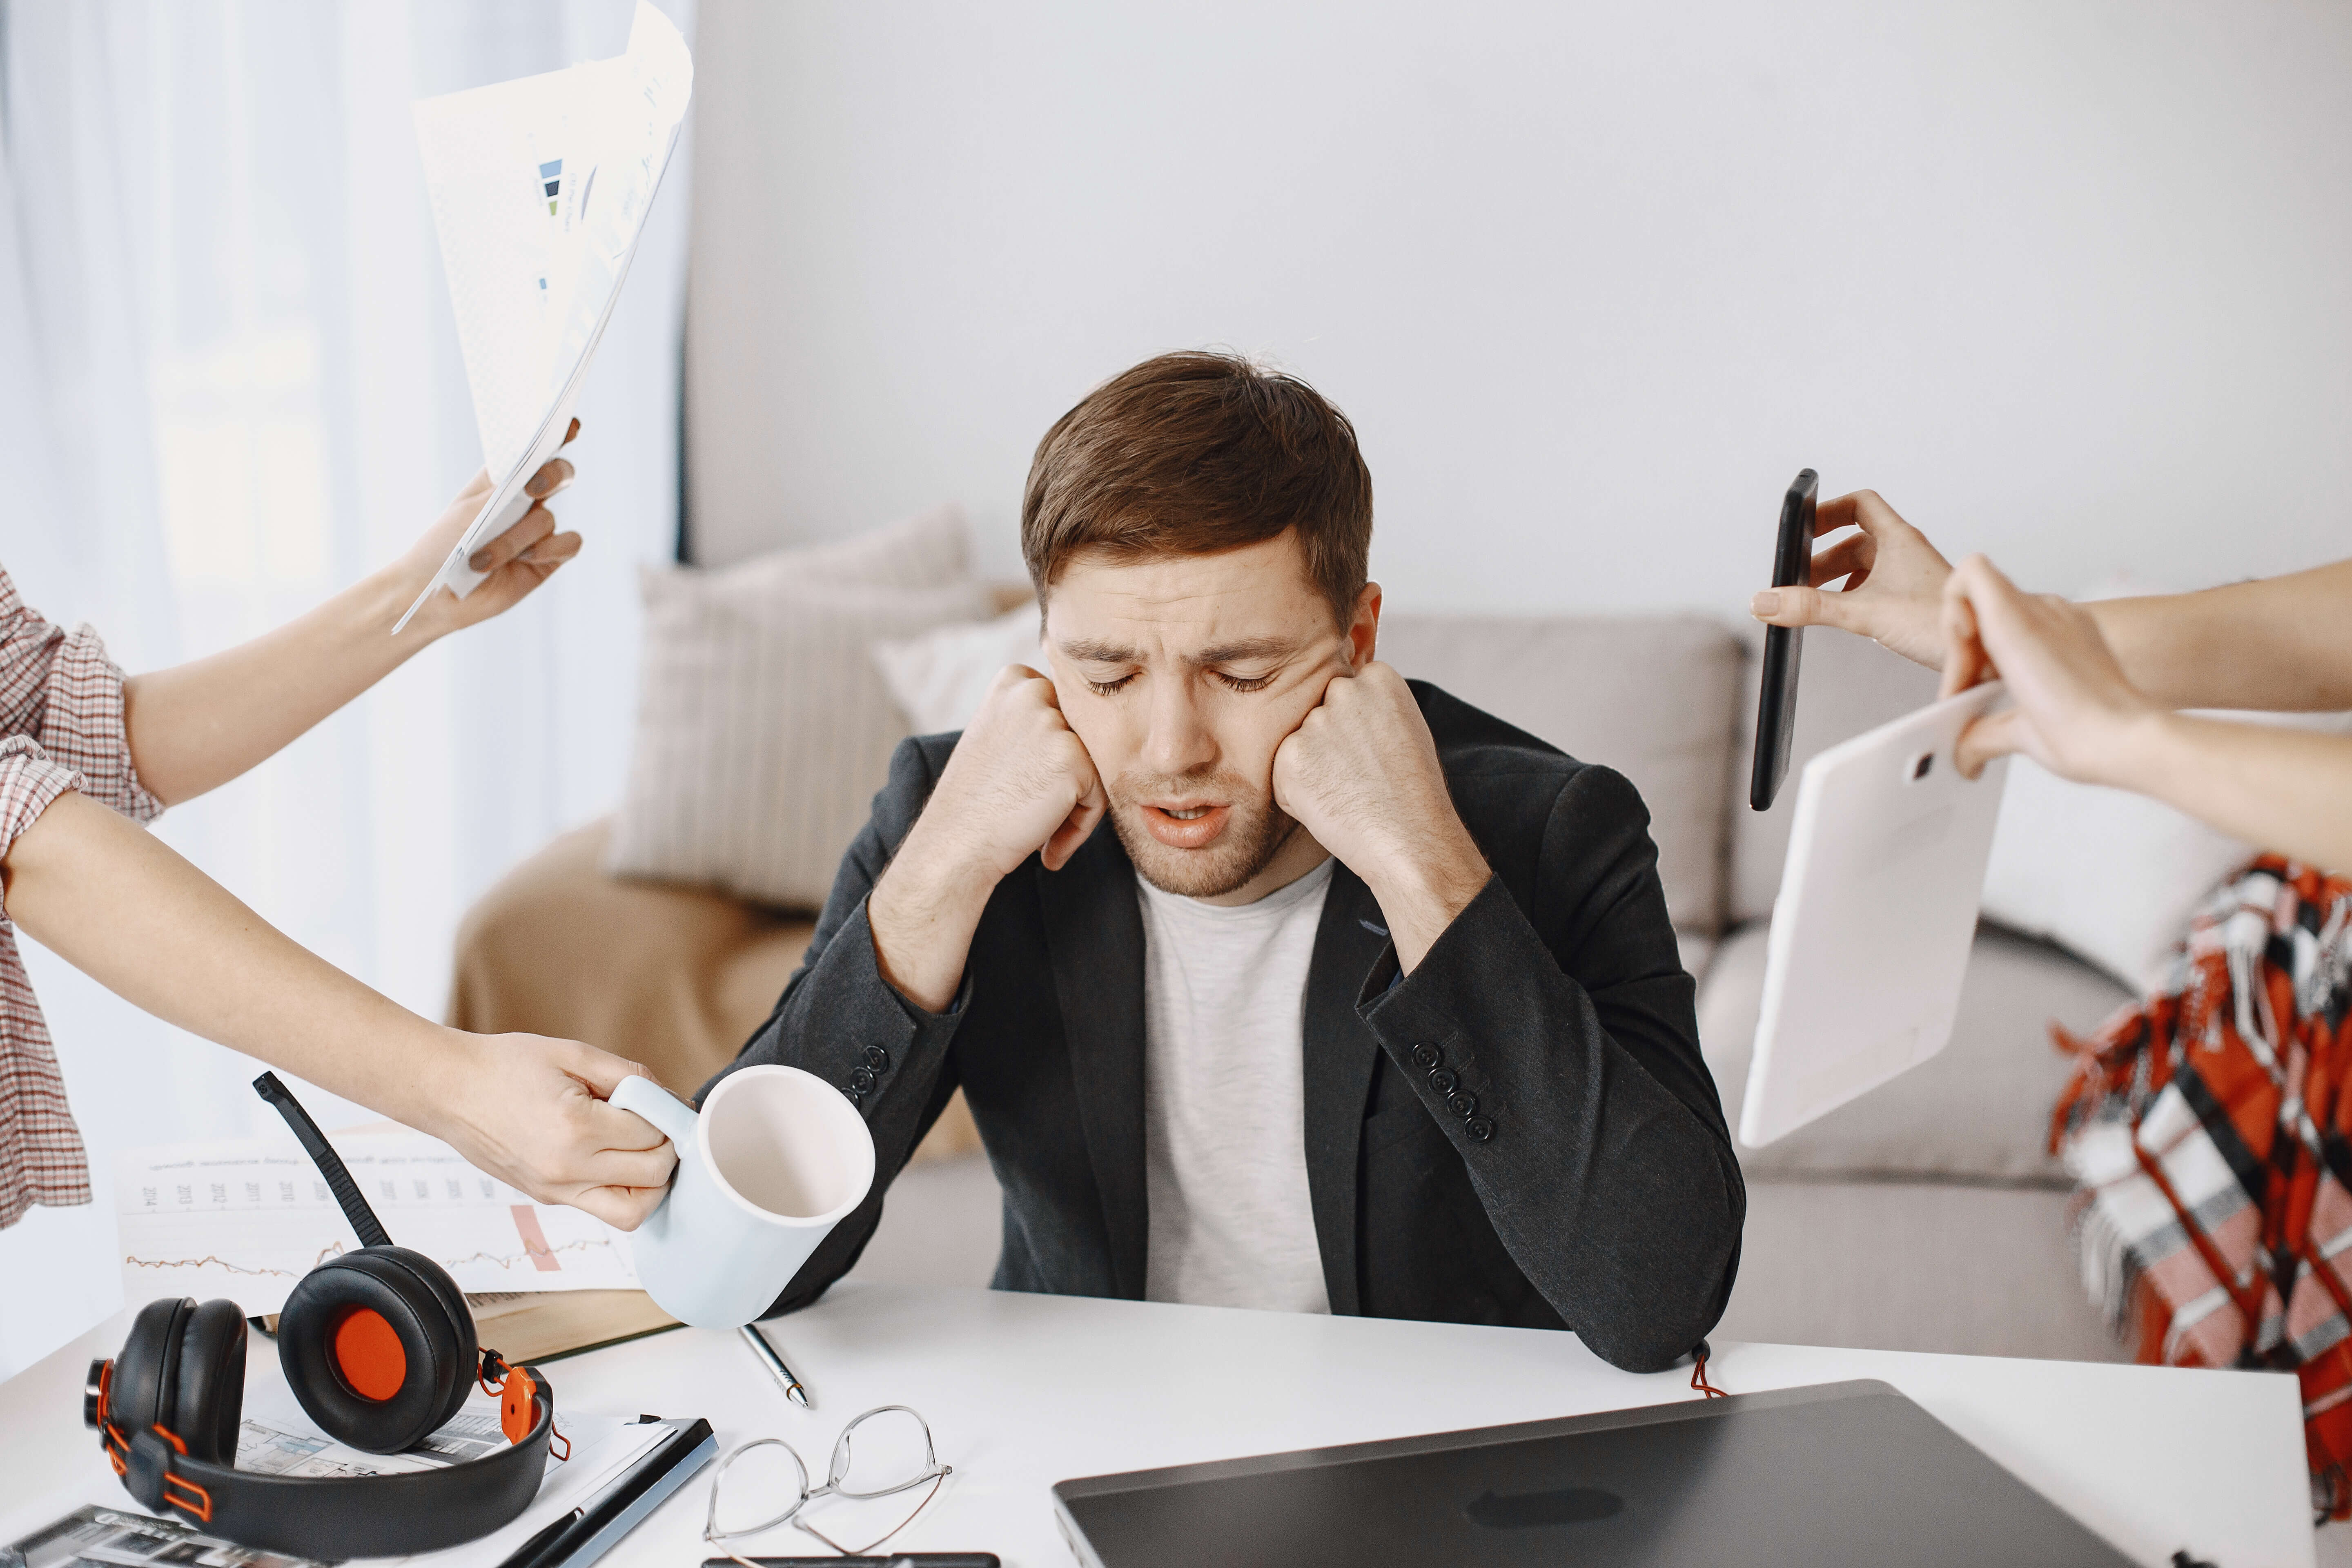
<point>368,1353</point>
<point>196,1500</point>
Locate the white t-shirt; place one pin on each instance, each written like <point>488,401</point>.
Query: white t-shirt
<point>1225,1132</point>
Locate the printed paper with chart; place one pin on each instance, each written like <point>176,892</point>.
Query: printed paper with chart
<point>539,188</point>
<point>245,1220</point>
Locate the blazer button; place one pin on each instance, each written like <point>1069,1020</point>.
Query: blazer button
<point>1424,1055</point>
<point>861,1080</point>
<point>852,1095</point>
<point>1444,1080</point>
<point>1480,1129</point>
<point>878,1059</point>
<point>1462,1103</point>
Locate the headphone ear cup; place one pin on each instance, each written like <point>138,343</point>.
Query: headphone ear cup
<point>467,1350</point>
<point>209,1394</point>
<point>371,1352</point>
<point>146,1373</point>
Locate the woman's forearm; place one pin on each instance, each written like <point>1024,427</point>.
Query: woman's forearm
<point>2288,791</point>
<point>126,910</point>
<point>198,725</point>
<point>2282,643</point>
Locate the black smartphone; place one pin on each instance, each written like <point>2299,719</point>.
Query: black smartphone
<point>1776,697</point>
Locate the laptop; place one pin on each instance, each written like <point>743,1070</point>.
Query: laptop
<point>1839,1474</point>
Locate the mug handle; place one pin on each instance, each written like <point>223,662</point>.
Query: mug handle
<point>672,1116</point>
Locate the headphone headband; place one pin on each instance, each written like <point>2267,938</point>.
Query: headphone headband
<point>334,1515</point>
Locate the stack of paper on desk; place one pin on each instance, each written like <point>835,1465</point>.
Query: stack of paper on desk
<point>539,188</point>
<point>248,1217</point>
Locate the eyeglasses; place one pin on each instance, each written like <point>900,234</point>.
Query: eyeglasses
<point>900,1457</point>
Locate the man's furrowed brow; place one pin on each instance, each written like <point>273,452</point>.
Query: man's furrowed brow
<point>1098,650</point>
<point>1246,650</point>
<point>1094,650</point>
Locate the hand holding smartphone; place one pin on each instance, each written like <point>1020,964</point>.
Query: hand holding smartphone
<point>1776,696</point>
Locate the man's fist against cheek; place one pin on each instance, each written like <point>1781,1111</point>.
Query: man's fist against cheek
<point>1019,780</point>
<point>1362,774</point>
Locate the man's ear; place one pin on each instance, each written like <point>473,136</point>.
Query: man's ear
<point>1364,631</point>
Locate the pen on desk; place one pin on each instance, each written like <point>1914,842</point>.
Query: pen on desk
<point>529,1549</point>
<point>618,1508</point>
<point>775,1366</point>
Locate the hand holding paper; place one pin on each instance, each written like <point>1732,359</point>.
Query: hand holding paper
<point>540,189</point>
<point>511,565</point>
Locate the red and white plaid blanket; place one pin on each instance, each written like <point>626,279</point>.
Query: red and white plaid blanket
<point>2210,1131</point>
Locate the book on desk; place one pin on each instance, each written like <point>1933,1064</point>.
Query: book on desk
<point>533,1326</point>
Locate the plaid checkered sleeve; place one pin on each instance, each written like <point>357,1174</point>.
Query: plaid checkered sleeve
<point>61,728</point>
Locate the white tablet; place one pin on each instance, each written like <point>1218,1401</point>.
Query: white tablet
<point>1878,908</point>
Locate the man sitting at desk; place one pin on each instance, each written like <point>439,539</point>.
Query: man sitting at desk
<point>1367,1003</point>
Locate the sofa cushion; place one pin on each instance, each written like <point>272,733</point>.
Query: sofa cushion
<point>1976,1111</point>
<point>763,724</point>
<point>939,678</point>
<point>1650,696</point>
<point>1846,685</point>
<point>2112,876</point>
<point>1913,1266</point>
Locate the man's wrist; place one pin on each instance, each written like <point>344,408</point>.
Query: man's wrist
<point>927,879</point>
<point>1425,888</point>
<point>920,917</point>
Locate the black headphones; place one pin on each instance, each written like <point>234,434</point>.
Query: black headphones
<point>377,1345</point>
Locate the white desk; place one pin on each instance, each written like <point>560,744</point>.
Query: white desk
<point>1024,1391</point>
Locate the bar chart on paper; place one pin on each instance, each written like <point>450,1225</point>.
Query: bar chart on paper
<point>247,1218</point>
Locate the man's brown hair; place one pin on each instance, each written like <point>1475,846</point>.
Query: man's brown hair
<point>1193,453</point>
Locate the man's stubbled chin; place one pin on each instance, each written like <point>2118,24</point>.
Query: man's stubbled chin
<point>1199,837</point>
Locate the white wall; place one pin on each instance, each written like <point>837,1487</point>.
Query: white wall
<point>2070,283</point>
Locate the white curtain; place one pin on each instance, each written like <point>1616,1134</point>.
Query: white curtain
<point>229,385</point>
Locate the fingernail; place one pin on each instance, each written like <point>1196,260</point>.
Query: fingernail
<point>479,561</point>
<point>1767,603</point>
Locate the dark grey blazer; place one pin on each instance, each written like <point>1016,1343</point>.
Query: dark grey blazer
<point>1521,1131</point>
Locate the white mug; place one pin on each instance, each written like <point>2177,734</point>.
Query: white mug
<point>774,1160</point>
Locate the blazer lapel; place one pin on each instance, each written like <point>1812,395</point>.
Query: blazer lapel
<point>1340,1052</point>
<point>1094,932</point>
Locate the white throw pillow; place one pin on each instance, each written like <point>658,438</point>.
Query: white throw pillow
<point>763,725</point>
<point>941,678</point>
<point>2111,875</point>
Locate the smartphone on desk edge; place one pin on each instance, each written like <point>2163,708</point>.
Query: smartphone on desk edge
<point>1776,694</point>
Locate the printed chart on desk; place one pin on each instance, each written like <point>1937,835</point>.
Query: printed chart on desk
<point>247,1219</point>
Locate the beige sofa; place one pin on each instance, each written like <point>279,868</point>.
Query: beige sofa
<point>1927,1215</point>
